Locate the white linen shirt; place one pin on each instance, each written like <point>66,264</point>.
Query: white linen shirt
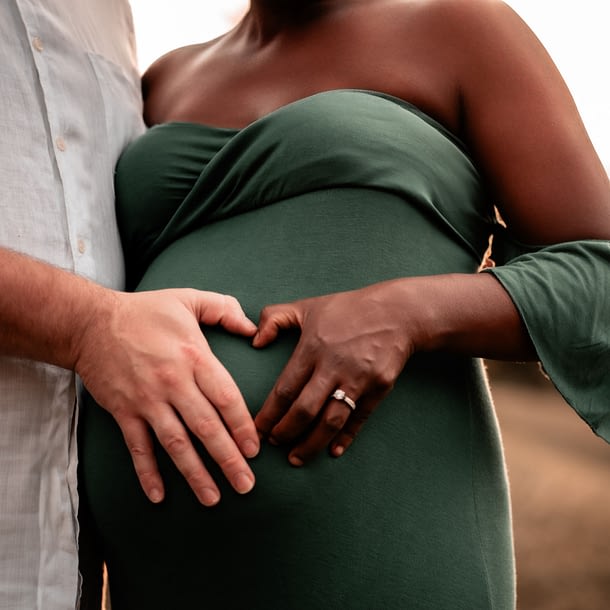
<point>69,103</point>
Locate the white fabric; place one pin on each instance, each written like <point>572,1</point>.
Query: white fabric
<point>69,102</point>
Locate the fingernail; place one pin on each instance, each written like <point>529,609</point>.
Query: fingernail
<point>273,441</point>
<point>209,496</point>
<point>295,460</point>
<point>249,448</point>
<point>338,450</point>
<point>155,495</point>
<point>243,483</point>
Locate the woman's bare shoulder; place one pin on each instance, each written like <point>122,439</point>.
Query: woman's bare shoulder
<point>465,35</point>
<point>166,65</point>
<point>458,8</point>
<point>166,75</point>
<point>473,18</point>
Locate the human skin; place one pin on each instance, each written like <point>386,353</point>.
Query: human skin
<point>143,357</point>
<point>476,68</point>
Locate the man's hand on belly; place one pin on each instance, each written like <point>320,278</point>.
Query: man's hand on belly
<point>146,361</point>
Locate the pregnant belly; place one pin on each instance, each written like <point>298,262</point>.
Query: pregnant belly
<point>320,242</point>
<point>314,244</point>
<point>282,252</point>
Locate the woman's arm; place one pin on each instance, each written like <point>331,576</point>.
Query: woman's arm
<point>521,123</point>
<point>360,341</point>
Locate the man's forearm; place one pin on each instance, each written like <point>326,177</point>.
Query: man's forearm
<point>44,309</point>
<point>143,358</point>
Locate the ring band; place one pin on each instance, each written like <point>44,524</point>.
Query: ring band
<point>340,395</point>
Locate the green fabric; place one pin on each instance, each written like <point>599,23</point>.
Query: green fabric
<point>311,145</point>
<point>563,295</point>
<point>335,191</point>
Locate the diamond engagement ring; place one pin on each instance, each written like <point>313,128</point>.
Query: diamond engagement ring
<point>340,395</point>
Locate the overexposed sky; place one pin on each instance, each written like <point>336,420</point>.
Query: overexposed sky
<point>575,34</point>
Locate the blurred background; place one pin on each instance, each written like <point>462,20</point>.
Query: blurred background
<point>559,474</point>
<point>559,470</point>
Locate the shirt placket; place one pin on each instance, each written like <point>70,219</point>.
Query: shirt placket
<point>66,151</point>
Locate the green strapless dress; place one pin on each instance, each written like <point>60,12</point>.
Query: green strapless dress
<point>333,192</point>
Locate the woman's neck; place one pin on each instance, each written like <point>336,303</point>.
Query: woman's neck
<point>268,18</point>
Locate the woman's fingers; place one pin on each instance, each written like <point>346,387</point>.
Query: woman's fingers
<point>332,418</point>
<point>274,318</point>
<point>356,342</point>
<point>304,411</point>
<point>295,374</point>
<point>282,397</point>
<point>345,437</point>
<point>325,413</point>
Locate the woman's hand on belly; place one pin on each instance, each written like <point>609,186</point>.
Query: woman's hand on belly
<point>356,342</point>
<point>359,342</point>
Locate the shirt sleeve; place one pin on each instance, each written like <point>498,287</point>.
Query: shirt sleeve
<point>562,293</point>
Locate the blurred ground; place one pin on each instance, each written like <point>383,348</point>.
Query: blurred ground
<point>560,483</point>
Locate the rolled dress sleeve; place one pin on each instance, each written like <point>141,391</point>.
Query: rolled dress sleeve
<point>562,293</point>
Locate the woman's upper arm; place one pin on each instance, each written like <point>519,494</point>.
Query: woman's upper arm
<point>525,132</point>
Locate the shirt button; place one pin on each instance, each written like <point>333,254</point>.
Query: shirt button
<point>81,246</point>
<point>61,144</point>
<point>37,44</point>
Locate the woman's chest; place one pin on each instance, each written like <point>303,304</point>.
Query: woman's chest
<point>223,87</point>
